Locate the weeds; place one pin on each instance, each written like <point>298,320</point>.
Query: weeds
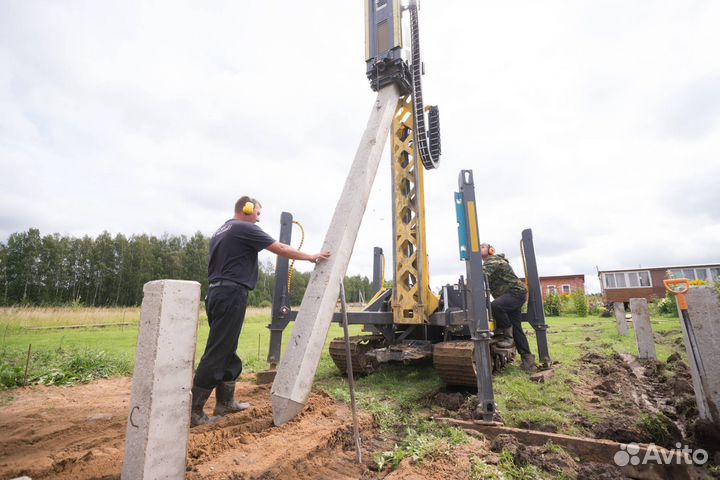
<point>425,439</point>
<point>479,470</point>
<point>518,472</point>
<point>656,425</point>
<point>60,367</point>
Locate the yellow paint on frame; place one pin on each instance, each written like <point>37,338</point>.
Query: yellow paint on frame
<point>472,224</point>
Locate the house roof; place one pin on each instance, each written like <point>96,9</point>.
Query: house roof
<point>548,277</point>
<point>674,267</point>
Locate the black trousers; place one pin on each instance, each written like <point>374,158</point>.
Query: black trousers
<point>506,310</point>
<point>225,306</point>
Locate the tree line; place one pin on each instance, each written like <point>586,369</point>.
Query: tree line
<point>53,270</point>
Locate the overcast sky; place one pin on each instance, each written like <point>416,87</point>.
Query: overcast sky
<point>595,123</point>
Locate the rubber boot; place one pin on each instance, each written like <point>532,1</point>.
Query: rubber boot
<point>225,400</point>
<point>197,414</point>
<point>528,362</point>
<point>503,337</point>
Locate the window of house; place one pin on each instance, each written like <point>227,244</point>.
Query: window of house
<point>676,273</point>
<point>566,288</point>
<point>701,273</point>
<point>689,273</point>
<point>551,289</point>
<point>628,280</point>
<point>715,274</point>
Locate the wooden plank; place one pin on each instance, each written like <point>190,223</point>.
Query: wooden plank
<point>297,367</point>
<point>592,450</point>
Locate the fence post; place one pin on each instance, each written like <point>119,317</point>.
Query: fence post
<point>702,340</point>
<point>643,329</point>
<point>619,308</point>
<point>159,416</point>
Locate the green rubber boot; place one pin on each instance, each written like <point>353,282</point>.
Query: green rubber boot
<point>197,414</point>
<point>225,400</point>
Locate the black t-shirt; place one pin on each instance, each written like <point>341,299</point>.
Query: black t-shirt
<point>234,252</point>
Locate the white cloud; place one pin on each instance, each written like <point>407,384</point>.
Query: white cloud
<point>594,123</point>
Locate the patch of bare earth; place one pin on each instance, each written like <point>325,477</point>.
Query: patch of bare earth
<point>625,391</point>
<point>79,433</point>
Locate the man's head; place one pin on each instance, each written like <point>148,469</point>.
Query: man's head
<point>486,250</point>
<point>248,209</point>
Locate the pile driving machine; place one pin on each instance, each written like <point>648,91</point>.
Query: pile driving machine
<point>409,323</point>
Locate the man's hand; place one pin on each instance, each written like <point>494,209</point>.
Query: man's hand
<point>320,257</point>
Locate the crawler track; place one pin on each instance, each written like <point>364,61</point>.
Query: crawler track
<point>359,346</point>
<point>453,361</point>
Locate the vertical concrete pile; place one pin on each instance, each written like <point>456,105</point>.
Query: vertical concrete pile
<point>298,365</point>
<point>159,416</point>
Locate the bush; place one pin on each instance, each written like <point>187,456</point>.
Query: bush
<point>566,304</point>
<point>665,306</point>
<point>552,305</point>
<point>595,304</point>
<point>265,304</point>
<point>580,302</point>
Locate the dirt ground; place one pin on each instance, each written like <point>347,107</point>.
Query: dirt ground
<point>78,433</point>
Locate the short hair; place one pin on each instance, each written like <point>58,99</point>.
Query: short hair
<point>243,200</point>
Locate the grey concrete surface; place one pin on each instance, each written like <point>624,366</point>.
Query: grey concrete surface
<point>159,415</point>
<point>702,343</point>
<point>619,308</point>
<point>643,328</point>
<point>296,371</point>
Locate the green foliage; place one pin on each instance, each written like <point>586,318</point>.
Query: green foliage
<point>656,425</point>
<point>54,270</point>
<point>518,472</point>
<point>479,470</point>
<point>580,302</point>
<point>552,305</point>
<point>104,271</point>
<point>426,439</point>
<point>596,306</point>
<point>666,307</point>
<point>60,367</point>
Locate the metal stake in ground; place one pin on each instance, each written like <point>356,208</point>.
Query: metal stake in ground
<point>27,365</point>
<point>351,380</point>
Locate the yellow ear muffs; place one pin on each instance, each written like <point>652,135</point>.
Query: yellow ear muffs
<point>249,208</point>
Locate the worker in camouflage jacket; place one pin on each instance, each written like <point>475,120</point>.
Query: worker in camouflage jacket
<point>509,294</point>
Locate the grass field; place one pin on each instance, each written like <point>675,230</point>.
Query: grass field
<point>570,337</point>
<point>114,332</point>
<point>400,398</point>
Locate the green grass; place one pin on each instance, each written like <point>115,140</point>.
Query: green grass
<point>117,344</point>
<point>398,397</point>
<point>59,367</point>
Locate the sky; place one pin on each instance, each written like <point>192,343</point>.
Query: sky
<point>595,123</point>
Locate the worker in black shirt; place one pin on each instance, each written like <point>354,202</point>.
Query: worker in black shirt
<point>232,272</point>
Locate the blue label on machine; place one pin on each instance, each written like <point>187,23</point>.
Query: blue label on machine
<point>462,225</point>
